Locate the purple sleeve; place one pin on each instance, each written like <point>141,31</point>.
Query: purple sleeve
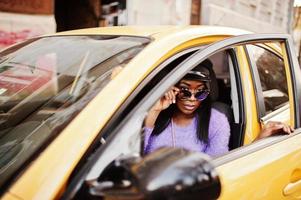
<point>219,134</point>
<point>147,132</point>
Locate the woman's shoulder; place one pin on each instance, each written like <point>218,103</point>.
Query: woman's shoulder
<point>222,110</point>
<point>218,121</point>
<point>217,113</point>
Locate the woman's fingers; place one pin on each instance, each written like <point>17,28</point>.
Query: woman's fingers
<point>277,127</point>
<point>166,96</point>
<point>288,129</point>
<point>171,95</point>
<point>175,89</point>
<point>175,92</point>
<point>272,128</point>
<point>167,99</point>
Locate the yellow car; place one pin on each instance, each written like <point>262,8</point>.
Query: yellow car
<point>73,106</point>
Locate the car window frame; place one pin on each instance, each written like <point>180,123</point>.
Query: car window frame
<point>236,139</point>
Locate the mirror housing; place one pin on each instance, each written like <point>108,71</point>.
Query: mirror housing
<point>168,173</point>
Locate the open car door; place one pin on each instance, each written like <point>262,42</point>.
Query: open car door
<point>269,168</point>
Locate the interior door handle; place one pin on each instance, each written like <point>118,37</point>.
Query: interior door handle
<point>291,188</point>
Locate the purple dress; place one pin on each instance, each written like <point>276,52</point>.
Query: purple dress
<point>185,137</point>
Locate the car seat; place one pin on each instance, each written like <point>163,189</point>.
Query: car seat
<point>221,106</point>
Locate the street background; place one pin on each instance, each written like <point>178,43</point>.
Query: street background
<point>23,19</point>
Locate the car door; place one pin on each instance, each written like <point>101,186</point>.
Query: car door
<point>266,169</point>
<point>270,168</point>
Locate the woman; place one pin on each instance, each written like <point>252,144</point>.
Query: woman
<point>184,118</point>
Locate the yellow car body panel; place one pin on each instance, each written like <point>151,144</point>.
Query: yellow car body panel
<point>255,172</point>
<point>252,126</point>
<point>9,196</point>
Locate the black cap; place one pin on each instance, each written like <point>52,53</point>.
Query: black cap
<point>200,72</point>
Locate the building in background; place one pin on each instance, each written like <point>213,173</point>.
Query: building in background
<point>76,14</point>
<point>113,13</point>
<point>159,12</point>
<point>297,30</point>
<point>20,20</point>
<point>261,16</point>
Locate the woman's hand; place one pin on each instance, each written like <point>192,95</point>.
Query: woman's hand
<point>272,128</point>
<point>165,101</point>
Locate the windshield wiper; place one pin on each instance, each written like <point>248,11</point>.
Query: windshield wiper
<point>77,84</point>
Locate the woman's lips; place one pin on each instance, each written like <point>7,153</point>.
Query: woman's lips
<point>189,107</point>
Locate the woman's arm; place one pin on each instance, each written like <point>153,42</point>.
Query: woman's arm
<point>163,103</point>
<point>272,128</point>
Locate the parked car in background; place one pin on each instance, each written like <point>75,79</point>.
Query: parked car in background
<point>70,127</point>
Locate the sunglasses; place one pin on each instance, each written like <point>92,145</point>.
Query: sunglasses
<point>200,95</point>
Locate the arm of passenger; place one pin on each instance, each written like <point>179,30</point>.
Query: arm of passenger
<point>219,135</point>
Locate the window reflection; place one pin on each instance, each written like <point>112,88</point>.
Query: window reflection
<point>46,82</point>
<point>272,77</point>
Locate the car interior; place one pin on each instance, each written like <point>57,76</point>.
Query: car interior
<point>224,93</point>
<point>224,89</point>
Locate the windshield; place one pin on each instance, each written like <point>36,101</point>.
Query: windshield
<point>45,82</point>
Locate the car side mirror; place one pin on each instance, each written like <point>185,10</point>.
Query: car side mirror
<point>168,173</point>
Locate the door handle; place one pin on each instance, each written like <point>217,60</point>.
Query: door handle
<point>291,188</point>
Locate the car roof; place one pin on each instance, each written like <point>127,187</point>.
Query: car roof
<point>156,31</point>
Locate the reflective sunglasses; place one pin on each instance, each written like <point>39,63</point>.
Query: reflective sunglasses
<point>200,95</point>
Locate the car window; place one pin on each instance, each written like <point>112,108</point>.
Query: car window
<point>272,77</point>
<point>127,138</point>
<point>221,92</point>
<point>46,82</point>
<point>131,138</point>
